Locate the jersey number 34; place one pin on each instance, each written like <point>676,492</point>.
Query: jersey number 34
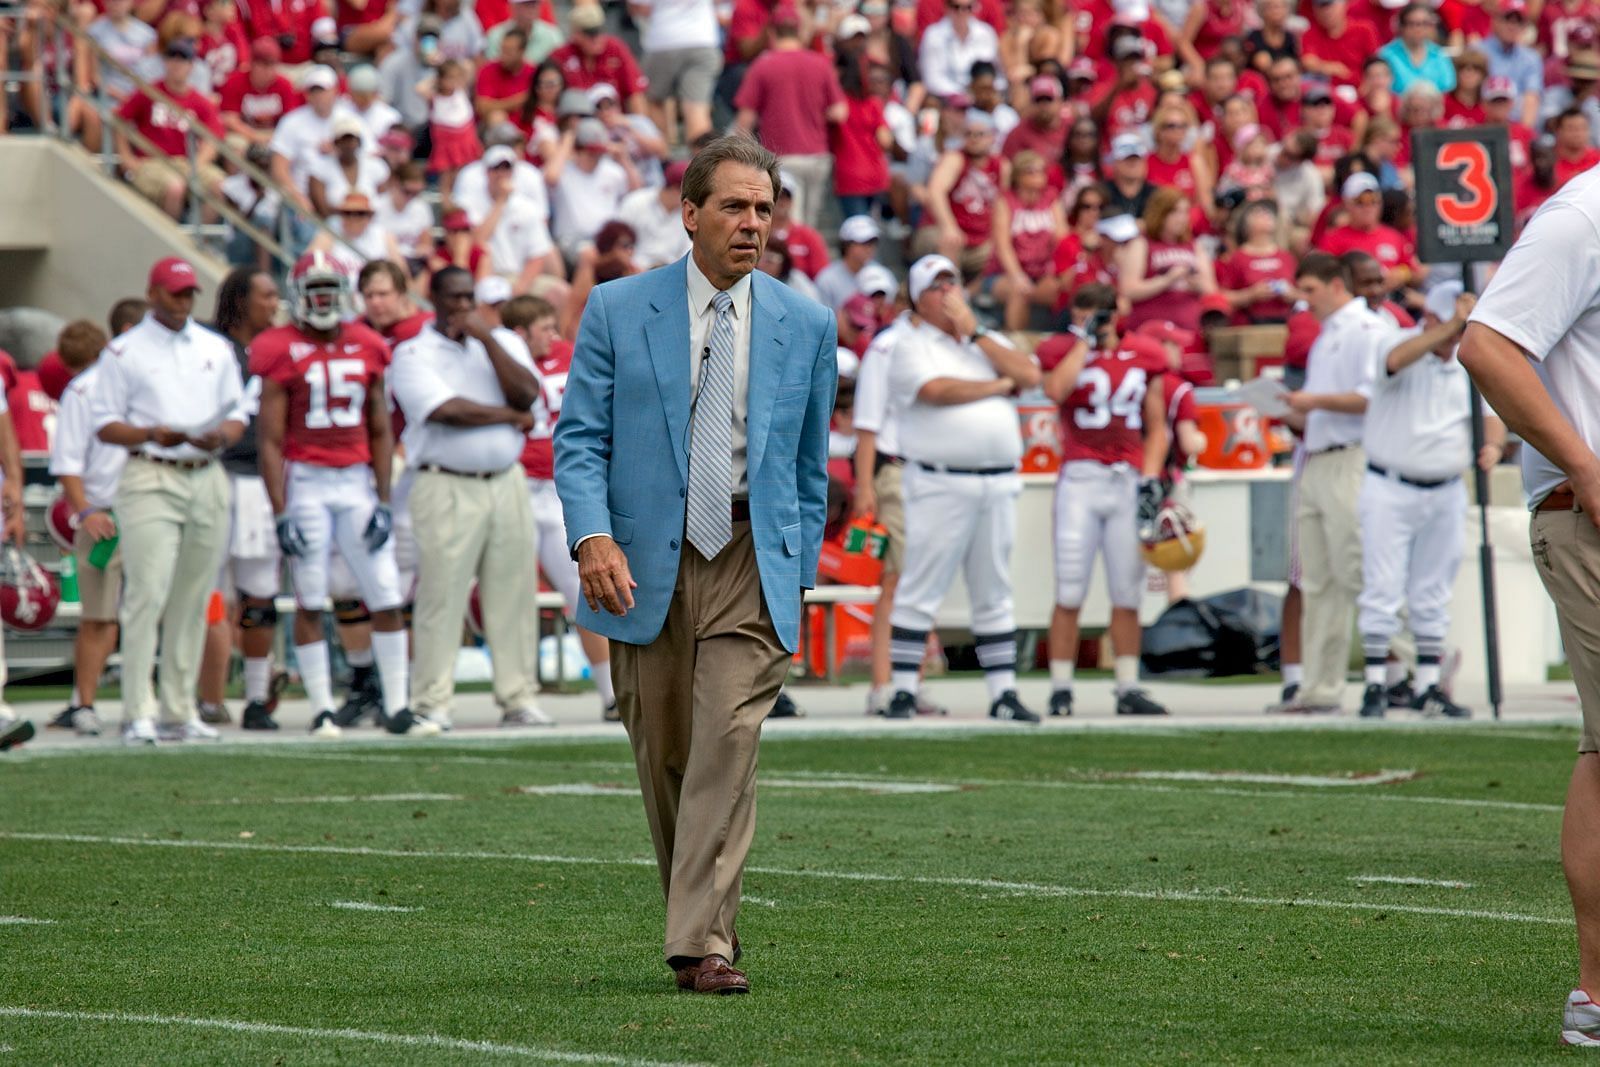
<point>1102,405</point>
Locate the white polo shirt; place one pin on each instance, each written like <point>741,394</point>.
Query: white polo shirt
<point>1419,421</point>
<point>186,380</point>
<point>520,234</point>
<point>982,433</point>
<point>430,369</point>
<point>660,236</point>
<point>873,412</point>
<point>76,451</point>
<point>1342,361</point>
<point>1544,298</point>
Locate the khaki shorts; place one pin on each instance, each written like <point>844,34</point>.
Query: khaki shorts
<point>1566,549</point>
<point>686,74</point>
<point>152,176</point>
<point>99,591</point>
<point>892,515</point>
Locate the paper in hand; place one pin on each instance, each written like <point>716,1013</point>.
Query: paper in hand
<point>1266,396</point>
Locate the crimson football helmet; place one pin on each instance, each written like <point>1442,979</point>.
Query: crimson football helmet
<point>28,593</point>
<point>1179,541</point>
<point>475,611</point>
<point>321,294</point>
<point>60,523</point>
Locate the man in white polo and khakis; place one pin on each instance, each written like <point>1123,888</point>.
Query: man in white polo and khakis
<point>169,392</point>
<point>468,406</point>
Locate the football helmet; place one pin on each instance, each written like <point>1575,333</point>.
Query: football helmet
<point>60,523</point>
<point>28,593</point>
<point>321,294</point>
<point>1179,540</point>
<point>475,611</point>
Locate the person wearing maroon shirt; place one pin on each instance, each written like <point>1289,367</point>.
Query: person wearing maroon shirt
<point>1362,232</point>
<point>1336,47</point>
<point>1134,18</point>
<point>1044,129</point>
<point>1210,22</point>
<point>793,94</point>
<point>162,178</point>
<point>1463,105</point>
<point>504,85</point>
<point>1466,21</point>
<point>861,144</point>
<point>367,27</point>
<point>808,252</point>
<point>962,191</point>
<point>1084,255</point>
<point>1257,277</point>
<point>1539,184</point>
<point>1575,151</point>
<point>594,56</point>
<point>286,21</point>
<point>1558,19</point>
<point>254,100</point>
<point>1123,104</point>
<point>1318,118</point>
<point>1499,102</point>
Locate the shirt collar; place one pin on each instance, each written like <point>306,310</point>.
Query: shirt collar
<point>1352,310</point>
<point>180,334</point>
<point>701,292</point>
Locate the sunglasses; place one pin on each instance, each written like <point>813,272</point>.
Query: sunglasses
<point>1090,205</point>
<point>1174,126</point>
<point>961,7</point>
<point>1419,23</point>
<point>356,214</point>
<point>1368,199</point>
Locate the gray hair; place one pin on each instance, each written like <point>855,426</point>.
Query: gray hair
<point>735,148</point>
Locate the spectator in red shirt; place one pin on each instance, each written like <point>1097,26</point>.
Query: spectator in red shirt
<point>162,178</point>
<point>1463,105</point>
<point>1280,111</point>
<point>1560,19</point>
<point>286,21</point>
<point>1170,165</point>
<point>595,56</point>
<point>367,26</point>
<point>1084,255</point>
<point>807,251</point>
<point>1258,276</point>
<point>1210,22</point>
<point>1029,226</point>
<point>1575,150</point>
<point>1317,117</point>
<point>1044,129</point>
<point>1124,104</point>
<point>1363,232</point>
<point>254,100</point>
<point>1539,184</point>
<point>1334,46</point>
<point>793,94</point>
<point>504,85</point>
<point>861,144</point>
<point>1499,102</point>
<point>1468,21</point>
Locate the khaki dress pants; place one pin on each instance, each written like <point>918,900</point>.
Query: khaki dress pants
<point>1330,569</point>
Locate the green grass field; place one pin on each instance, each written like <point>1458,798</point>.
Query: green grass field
<point>1044,897</point>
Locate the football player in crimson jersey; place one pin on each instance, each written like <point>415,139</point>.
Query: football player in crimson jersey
<point>1114,445</point>
<point>534,320</point>
<point>1186,439</point>
<point>325,450</point>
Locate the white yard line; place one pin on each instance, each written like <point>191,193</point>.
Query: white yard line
<point>579,789</point>
<point>375,797</point>
<point>1311,781</point>
<point>1399,879</point>
<point>760,902</point>
<point>376,1037</point>
<point>629,790</point>
<point>362,905</point>
<point>23,920</point>
<point>1039,889</point>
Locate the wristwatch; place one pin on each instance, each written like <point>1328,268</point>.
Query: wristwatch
<point>978,331</point>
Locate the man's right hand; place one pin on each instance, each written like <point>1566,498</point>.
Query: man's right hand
<point>865,501</point>
<point>604,575</point>
<point>167,438</point>
<point>99,525</point>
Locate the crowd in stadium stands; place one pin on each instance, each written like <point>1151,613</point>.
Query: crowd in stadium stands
<point>1187,154</point>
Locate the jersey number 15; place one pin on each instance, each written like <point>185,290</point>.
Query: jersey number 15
<point>338,394</point>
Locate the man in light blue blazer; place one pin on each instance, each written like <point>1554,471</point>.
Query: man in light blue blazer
<point>691,463</point>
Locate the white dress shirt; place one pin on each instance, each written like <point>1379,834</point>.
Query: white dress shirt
<point>429,370</point>
<point>980,433</point>
<point>946,60</point>
<point>701,317</point>
<point>873,412</point>
<point>186,380</point>
<point>1342,360</point>
<point>1419,422</point>
<point>76,451</point>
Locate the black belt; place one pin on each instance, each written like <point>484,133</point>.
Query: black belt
<point>935,468</point>
<point>1333,448</point>
<point>881,460</point>
<point>180,464</point>
<point>434,468</point>
<point>1416,483</point>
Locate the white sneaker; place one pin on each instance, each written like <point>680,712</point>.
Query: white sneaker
<point>139,732</point>
<point>86,723</point>
<point>324,726</point>
<point>1580,1023</point>
<point>193,730</point>
<point>529,716</point>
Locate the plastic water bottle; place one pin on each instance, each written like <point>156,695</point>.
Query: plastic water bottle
<point>69,578</point>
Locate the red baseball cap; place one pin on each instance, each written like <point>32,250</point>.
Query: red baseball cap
<point>54,375</point>
<point>1513,7</point>
<point>1170,332</point>
<point>1215,302</point>
<point>456,220</point>
<point>174,274</point>
<point>266,50</point>
<point>674,172</point>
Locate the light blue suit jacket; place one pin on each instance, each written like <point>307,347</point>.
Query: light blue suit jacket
<point>621,445</point>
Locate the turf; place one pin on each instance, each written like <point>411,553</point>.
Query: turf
<point>1045,908</point>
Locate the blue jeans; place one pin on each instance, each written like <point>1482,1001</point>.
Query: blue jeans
<point>859,205</point>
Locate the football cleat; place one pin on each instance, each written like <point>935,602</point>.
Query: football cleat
<point>610,713</point>
<point>1435,703</point>
<point>1288,700</point>
<point>1580,1022</point>
<point>1374,702</point>
<point>901,706</point>
<point>928,706</point>
<point>1010,707</point>
<point>258,716</point>
<point>365,698</point>
<point>406,722</point>
<point>324,726</point>
<point>14,732</point>
<point>529,716</point>
<point>1137,702</point>
<point>1401,695</point>
<point>785,707</point>
<point>64,719</point>
<point>1061,704</point>
<point>85,723</point>
<point>193,730</point>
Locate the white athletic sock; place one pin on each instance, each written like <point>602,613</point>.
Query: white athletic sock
<point>1061,671</point>
<point>998,682</point>
<point>257,679</point>
<point>1394,672</point>
<point>358,657</point>
<point>389,649</point>
<point>904,681</point>
<point>1126,669</point>
<point>316,675</point>
<point>601,672</point>
<point>1293,674</point>
<point>1376,674</point>
<point>1427,675</point>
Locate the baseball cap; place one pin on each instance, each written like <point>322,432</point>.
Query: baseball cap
<point>876,278</point>
<point>928,269</point>
<point>1128,145</point>
<point>1513,7</point>
<point>601,91</point>
<point>174,275</point>
<point>592,134</point>
<point>1045,87</point>
<point>674,172</point>
<point>1358,183</point>
<point>848,363</point>
<point>1119,229</point>
<point>980,121</point>
<point>1215,303</point>
<point>1245,134</point>
<point>880,8</point>
<point>503,133</point>
<point>1583,66</point>
<point>574,102</point>
<point>398,138</point>
<point>1128,48</point>
<point>1313,90</point>
<point>363,79</point>
<point>858,230</point>
<point>587,17</point>
<point>355,202</point>
<point>1500,87</point>
<point>853,26</point>
<point>492,290</point>
<point>1082,69</point>
<point>347,125</point>
<point>325,31</point>
<point>318,77</point>
<point>787,183</point>
<point>785,17</point>
<point>1131,10</point>
<point>456,220</point>
<point>180,48</point>
<point>1170,332</point>
<point>54,375</point>
<point>266,50</point>
<point>500,155</point>
<point>1441,301</point>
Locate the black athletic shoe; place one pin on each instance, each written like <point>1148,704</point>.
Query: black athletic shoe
<point>610,713</point>
<point>15,733</point>
<point>1434,702</point>
<point>1401,695</point>
<point>901,706</point>
<point>257,716</point>
<point>1010,707</point>
<point>63,721</point>
<point>324,726</point>
<point>1374,702</point>
<point>1061,704</point>
<point>1136,702</point>
<point>404,722</point>
<point>212,714</point>
<point>785,708</point>
<point>364,698</point>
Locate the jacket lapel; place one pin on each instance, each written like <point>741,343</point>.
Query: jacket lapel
<point>667,335</point>
<point>767,358</point>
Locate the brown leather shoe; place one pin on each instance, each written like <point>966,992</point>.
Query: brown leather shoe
<point>686,975</point>
<point>716,975</point>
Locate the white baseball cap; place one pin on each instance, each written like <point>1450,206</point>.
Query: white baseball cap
<point>499,154</point>
<point>852,26</point>
<point>928,269</point>
<point>363,79</point>
<point>849,363</point>
<point>347,125</point>
<point>858,230</point>
<point>319,77</point>
<point>1358,183</point>
<point>1128,145</point>
<point>876,278</point>
<point>787,183</point>
<point>1118,228</point>
<point>1441,301</point>
<point>492,290</point>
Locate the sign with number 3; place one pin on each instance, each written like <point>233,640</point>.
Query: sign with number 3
<point>1464,208</point>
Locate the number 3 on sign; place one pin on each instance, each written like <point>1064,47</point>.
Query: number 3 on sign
<point>337,392</point>
<point>1479,199</point>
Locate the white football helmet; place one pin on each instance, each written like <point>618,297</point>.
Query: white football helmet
<point>320,292</point>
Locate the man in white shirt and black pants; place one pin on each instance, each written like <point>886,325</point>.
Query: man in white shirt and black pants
<point>952,384</point>
<point>468,406</point>
<point>1339,374</point>
<point>1418,440</point>
<point>169,392</point>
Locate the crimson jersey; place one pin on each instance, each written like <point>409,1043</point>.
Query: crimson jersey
<point>1181,407</point>
<point>327,384</point>
<point>538,455</point>
<point>1102,419</point>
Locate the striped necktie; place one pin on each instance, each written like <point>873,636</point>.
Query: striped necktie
<point>709,521</point>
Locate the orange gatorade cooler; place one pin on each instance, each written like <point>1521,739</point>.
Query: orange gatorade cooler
<point>1041,434</point>
<point>1236,437</point>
